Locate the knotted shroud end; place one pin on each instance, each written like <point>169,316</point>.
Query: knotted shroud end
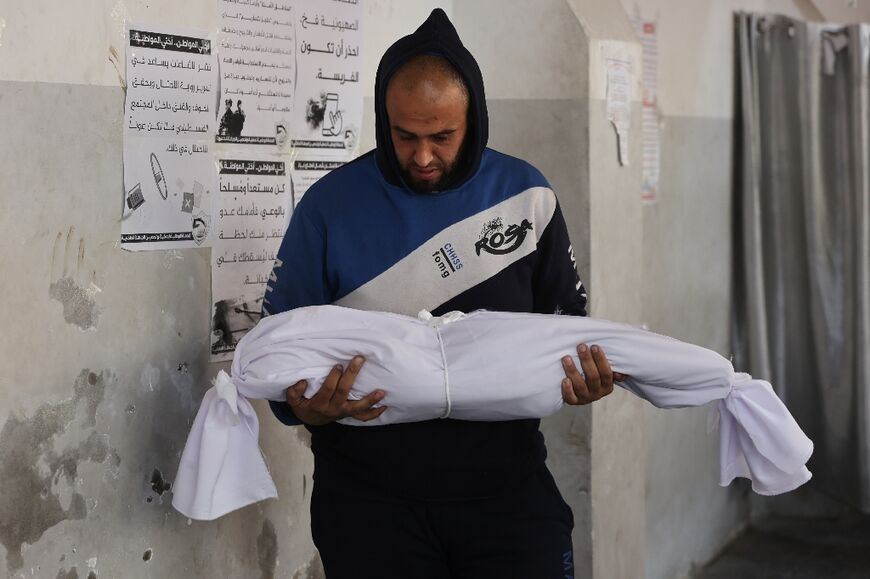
<point>227,392</point>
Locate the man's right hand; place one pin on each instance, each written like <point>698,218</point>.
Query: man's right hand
<point>331,403</point>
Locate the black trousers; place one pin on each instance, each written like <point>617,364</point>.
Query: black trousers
<point>523,534</point>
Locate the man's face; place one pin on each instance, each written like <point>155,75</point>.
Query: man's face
<point>428,127</point>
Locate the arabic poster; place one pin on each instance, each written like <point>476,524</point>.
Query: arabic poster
<point>306,172</point>
<point>619,103</point>
<point>169,114</point>
<point>650,143</point>
<point>252,214</point>
<point>329,101</point>
<point>257,69</point>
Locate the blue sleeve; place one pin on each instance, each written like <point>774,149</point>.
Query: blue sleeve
<point>298,279</point>
<point>284,413</point>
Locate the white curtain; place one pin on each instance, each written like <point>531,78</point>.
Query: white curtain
<point>802,233</point>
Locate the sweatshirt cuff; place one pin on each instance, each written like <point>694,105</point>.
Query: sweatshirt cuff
<point>284,413</point>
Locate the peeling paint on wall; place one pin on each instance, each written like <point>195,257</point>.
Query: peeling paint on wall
<point>92,565</point>
<point>79,307</point>
<point>171,257</point>
<point>120,15</point>
<point>303,435</point>
<point>36,478</point>
<point>312,570</point>
<point>150,378</point>
<point>64,574</point>
<point>158,485</point>
<point>267,550</point>
<point>72,285</point>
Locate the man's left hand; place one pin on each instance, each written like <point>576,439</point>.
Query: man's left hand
<point>598,381</point>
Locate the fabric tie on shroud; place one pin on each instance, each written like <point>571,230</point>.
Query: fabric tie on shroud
<point>480,366</point>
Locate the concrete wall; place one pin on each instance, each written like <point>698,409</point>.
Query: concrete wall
<point>616,225</point>
<point>104,353</point>
<point>686,288</point>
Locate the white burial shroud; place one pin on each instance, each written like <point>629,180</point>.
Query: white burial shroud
<point>480,366</point>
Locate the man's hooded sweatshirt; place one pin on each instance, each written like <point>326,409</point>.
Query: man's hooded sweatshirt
<point>495,240</point>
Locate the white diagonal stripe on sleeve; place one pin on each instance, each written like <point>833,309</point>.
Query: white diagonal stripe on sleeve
<point>418,282</point>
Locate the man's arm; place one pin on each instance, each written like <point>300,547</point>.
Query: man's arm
<point>298,279</point>
<point>558,289</point>
<point>557,285</point>
<point>299,276</point>
<point>331,401</point>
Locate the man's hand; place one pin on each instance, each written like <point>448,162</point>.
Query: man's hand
<point>599,377</point>
<point>331,403</point>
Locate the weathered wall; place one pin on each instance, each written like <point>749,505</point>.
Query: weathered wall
<point>104,353</point>
<point>139,322</point>
<point>686,287</point>
<point>111,362</point>
<point>104,361</point>
<point>616,228</point>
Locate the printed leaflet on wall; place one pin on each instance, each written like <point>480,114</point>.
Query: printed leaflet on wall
<point>290,111</point>
<point>619,103</point>
<point>168,127</point>
<point>251,217</point>
<point>257,69</point>
<point>328,111</point>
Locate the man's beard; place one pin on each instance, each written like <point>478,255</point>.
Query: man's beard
<point>449,178</point>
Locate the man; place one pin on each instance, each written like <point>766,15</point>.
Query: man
<point>281,136</point>
<point>199,229</point>
<point>237,122</point>
<point>432,219</point>
<point>227,119</point>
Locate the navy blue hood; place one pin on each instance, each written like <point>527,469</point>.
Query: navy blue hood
<point>435,36</point>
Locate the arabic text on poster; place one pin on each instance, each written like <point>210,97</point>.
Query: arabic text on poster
<point>169,122</point>
<point>251,216</point>
<point>257,69</point>
<point>306,172</point>
<point>328,108</point>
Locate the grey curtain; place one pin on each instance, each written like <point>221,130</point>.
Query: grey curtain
<point>802,233</point>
